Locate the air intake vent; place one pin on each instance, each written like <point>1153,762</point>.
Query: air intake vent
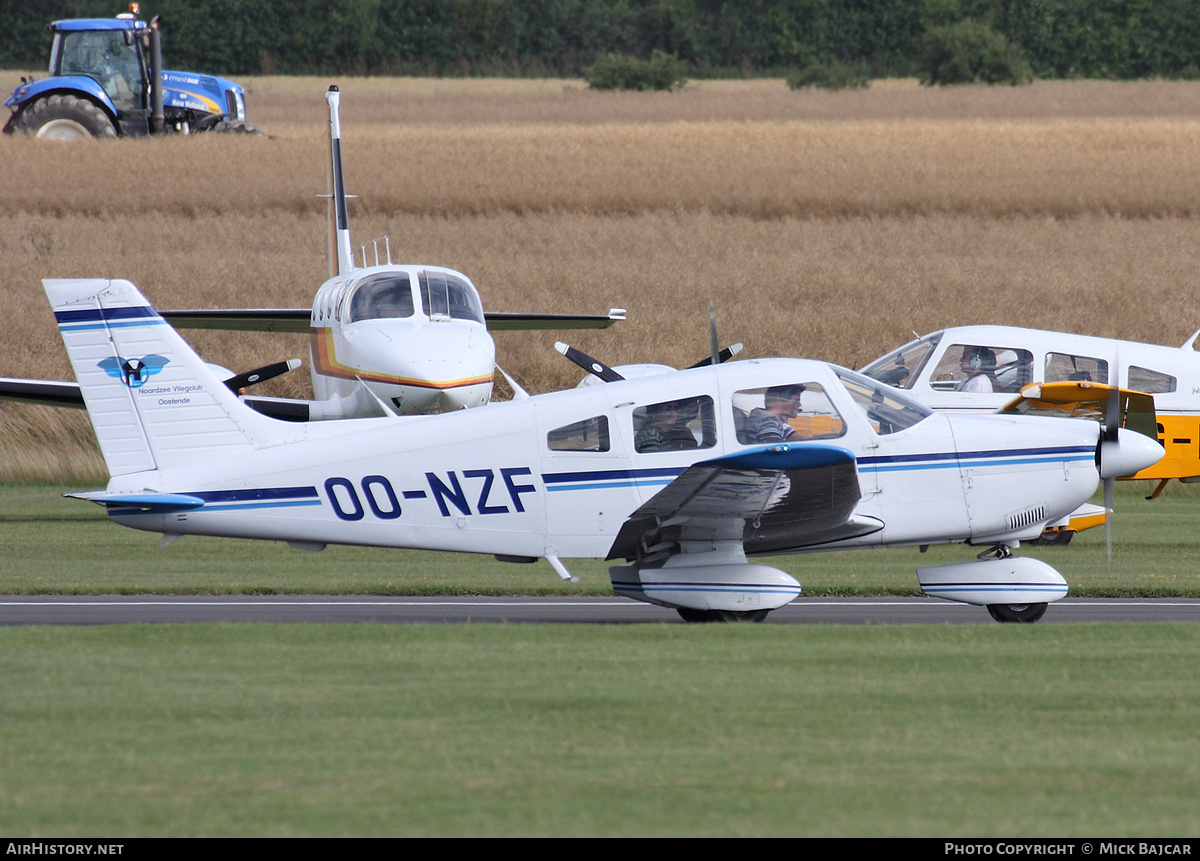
<point>1028,517</point>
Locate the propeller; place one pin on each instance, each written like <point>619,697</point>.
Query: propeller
<point>722,356</point>
<point>592,366</point>
<point>608,375</point>
<point>1121,451</point>
<point>1110,436</point>
<point>260,375</point>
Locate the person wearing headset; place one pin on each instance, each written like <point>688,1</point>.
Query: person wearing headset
<point>979,366</point>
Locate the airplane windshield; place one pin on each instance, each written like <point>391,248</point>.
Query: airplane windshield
<point>445,295</point>
<point>900,368</point>
<point>382,296</point>
<point>886,409</point>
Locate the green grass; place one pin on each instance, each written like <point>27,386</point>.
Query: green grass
<point>56,545</point>
<point>663,730</point>
<point>668,730</point>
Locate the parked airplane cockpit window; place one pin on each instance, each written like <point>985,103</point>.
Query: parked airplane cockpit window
<point>675,425</point>
<point>983,368</point>
<point>1062,367</point>
<point>1150,382</point>
<point>445,295</point>
<point>788,412</point>
<point>900,368</point>
<point>587,435</point>
<point>382,296</point>
<point>887,410</point>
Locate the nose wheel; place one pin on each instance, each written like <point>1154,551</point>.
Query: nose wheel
<point>1016,612</point>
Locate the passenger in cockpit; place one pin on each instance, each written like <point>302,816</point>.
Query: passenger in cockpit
<point>768,423</point>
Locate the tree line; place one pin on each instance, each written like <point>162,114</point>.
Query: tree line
<point>1120,39</point>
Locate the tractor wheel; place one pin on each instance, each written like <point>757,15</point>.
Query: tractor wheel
<point>236,127</point>
<point>63,118</point>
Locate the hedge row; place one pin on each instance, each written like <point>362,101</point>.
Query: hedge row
<point>1058,38</point>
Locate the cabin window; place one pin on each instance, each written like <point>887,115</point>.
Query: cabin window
<point>1150,382</point>
<point>983,369</point>
<point>886,409</point>
<point>446,295</point>
<point>900,368</point>
<point>587,435</point>
<point>110,57</point>
<point>1062,367</point>
<point>676,425</point>
<point>797,411</point>
<point>382,297</point>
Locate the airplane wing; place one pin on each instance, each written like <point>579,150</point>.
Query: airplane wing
<point>773,498</point>
<point>46,393</point>
<point>1088,401</point>
<point>503,321</point>
<point>296,320</point>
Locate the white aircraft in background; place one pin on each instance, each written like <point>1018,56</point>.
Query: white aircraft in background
<point>681,476</point>
<point>385,339</point>
<point>937,371</point>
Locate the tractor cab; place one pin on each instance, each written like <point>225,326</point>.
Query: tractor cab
<point>106,80</point>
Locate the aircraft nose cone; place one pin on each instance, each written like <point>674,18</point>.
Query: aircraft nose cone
<point>1129,453</point>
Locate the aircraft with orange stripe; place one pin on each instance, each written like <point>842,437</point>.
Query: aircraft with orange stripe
<point>384,339</point>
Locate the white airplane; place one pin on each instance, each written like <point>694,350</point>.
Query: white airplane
<point>681,476</point>
<point>971,369</point>
<point>384,339</point>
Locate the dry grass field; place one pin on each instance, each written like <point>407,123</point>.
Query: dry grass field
<point>830,225</point>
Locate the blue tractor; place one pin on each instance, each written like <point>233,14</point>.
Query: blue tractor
<point>107,80</point>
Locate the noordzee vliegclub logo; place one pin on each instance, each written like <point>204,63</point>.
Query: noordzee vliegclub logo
<point>133,372</point>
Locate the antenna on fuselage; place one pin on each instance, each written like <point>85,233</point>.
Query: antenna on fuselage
<point>341,257</point>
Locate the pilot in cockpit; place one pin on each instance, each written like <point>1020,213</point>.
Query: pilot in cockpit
<point>978,364</point>
<point>769,423</point>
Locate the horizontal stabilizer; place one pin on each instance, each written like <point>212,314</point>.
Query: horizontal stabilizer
<point>141,502</point>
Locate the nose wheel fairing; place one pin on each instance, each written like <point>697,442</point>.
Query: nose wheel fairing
<point>1014,580</point>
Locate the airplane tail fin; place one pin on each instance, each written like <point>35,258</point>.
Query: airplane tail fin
<point>341,256</point>
<point>153,402</point>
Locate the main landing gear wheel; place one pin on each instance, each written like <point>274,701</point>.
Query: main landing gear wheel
<point>1016,612</point>
<point>64,118</point>
<point>721,615</point>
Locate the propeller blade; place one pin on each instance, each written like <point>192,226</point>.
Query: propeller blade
<point>260,375</point>
<point>592,366</point>
<point>1109,483</point>
<point>722,357</point>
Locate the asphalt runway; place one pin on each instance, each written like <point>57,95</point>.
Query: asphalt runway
<point>124,609</point>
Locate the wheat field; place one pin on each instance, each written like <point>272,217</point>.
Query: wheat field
<point>828,225</point>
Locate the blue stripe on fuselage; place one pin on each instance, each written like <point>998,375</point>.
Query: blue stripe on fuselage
<point>623,478</point>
